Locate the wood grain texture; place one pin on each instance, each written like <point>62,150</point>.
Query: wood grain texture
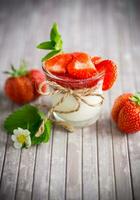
<point>90,163</point>
<point>74,166</point>
<point>120,145</point>
<point>96,162</point>
<point>58,165</point>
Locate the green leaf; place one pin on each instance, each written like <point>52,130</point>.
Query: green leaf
<point>26,116</point>
<point>42,115</point>
<point>46,134</point>
<point>55,44</point>
<point>48,128</point>
<point>59,44</point>
<point>54,34</point>
<point>51,54</point>
<point>50,45</point>
<point>136,98</point>
<point>29,117</point>
<point>21,71</point>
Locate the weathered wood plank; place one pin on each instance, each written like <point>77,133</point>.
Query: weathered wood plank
<point>24,181</point>
<point>121,157</point>
<point>90,168</point>
<point>10,170</point>
<point>121,154</point>
<point>58,165</point>
<point>104,136</point>
<point>74,166</point>
<point>42,172</point>
<point>134,140</point>
<point>90,158</point>
<point>5,105</point>
<point>105,155</point>
<point>27,159</point>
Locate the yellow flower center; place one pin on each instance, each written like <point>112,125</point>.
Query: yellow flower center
<point>21,139</point>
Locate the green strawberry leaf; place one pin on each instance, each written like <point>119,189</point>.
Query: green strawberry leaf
<point>50,45</point>
<point>26,115</point>
<point>21,71</point>
<point>42,115</point>
<point>51,54</point>
<point>48,128</point>
<point>45,136</point>
<point>29,117</point>
<point>136,98</point>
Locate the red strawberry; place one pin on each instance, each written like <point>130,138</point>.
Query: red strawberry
<point>37,77</point>
<point>20,86</point>
<point>58,63</point>
<point>110,69</point>
<point>81,66</point>
<point>119,104</point>
<point>128,116</point>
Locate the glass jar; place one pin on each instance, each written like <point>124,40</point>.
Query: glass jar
<point>83,99</point>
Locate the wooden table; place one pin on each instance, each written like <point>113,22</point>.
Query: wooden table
<point>97,162</point>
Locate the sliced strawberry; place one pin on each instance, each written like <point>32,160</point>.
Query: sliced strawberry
<point>81,66</point>
<point>110,69</point>
<point>81,57</point>
<point>58,63</point>
<point>96,59</point>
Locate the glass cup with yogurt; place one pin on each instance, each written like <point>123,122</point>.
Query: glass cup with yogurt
<point>77,101</point>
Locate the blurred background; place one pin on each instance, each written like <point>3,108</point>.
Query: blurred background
<point>109,28</point>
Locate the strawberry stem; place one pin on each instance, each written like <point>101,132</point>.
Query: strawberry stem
<point>136,98</point>
<point>21,71</point>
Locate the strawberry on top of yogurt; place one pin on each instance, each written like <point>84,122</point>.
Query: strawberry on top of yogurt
<point>80,66</point>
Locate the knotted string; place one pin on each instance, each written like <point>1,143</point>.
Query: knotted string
<point>78,95</point>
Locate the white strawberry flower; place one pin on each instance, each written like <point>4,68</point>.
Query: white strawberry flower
<point>21,137</point>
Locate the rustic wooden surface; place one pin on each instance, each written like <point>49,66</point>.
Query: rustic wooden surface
<point>97,162</point>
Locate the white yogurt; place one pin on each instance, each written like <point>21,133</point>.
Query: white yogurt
<point>86,114</point>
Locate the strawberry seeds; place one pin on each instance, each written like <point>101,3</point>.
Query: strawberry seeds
<point>79,70</point>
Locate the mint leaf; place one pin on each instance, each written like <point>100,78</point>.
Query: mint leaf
<point>59,44</point>
<point>55,44</point>
<point>46,134</point>
<point>50,45</point>
<point>56,37</point>
<point>54,34</point>
<point>51,54</point>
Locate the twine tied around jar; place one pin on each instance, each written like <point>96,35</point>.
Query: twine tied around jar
<point>78,95</point>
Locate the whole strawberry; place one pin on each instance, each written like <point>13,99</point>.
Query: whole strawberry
<point>22,85</point>
<point>126,112</point>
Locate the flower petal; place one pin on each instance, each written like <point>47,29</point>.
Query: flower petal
<point>27,132</point>
<point>17,145</point>
<point>15,131</point>
<point>28,142</point>
<point>13,137</point>
<point>20,129</point>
